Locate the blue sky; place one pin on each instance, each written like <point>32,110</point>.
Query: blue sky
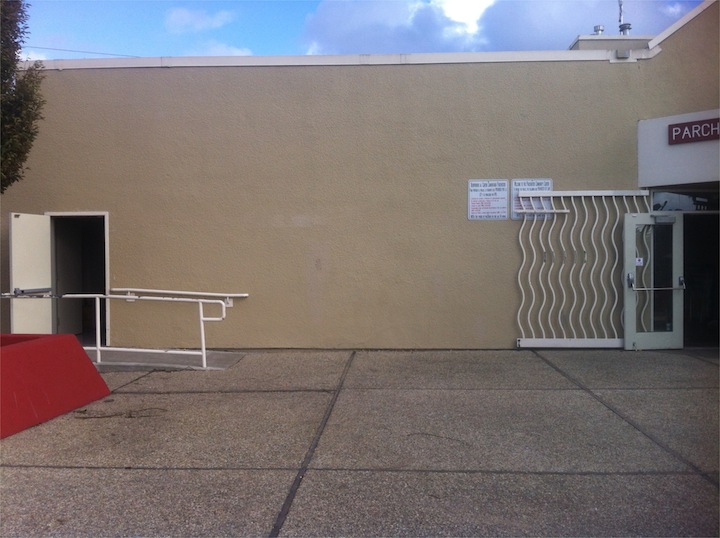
<point>150,28</point>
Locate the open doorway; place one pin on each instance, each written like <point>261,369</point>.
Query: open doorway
<point>79,254</point>
<point>701,275</point>
<point>700,205</point>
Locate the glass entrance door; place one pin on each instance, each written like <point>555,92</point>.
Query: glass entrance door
<point>654,283</point>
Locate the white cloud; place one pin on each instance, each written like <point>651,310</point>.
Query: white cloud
<point>216,48</point>
<point>554,24</point>
<point>675,10</point>
<point>394,26</point>
<point>182,20</point>
<point>407,26</point>
<point>32,55</point>
<point>465,12</point>
<point>314,48</point>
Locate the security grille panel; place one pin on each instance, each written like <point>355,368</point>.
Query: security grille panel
<point>571,274</point>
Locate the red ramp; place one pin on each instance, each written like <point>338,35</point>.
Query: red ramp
<point>42,377</point>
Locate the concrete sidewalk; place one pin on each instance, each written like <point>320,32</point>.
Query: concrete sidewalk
<point>381,443</point>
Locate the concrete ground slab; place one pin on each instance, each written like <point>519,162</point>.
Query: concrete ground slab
<point>634,369</point>
<point>357,443</point>
<point>710,354</point>
<point>118,379</point>
<point>347,503</point>
<point>116,502</point>
<point>510,369</point>
<point>232,430</point>
<point>558,431</point>
<point>275,370</point>
<point>686,420</point>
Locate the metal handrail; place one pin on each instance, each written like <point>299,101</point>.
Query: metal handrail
<point>201,299</point>
<point>131,298</point>
<point>227,296</point>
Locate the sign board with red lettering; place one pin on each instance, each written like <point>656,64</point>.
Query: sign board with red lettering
<point>694,131</point>
<point>683,149</point>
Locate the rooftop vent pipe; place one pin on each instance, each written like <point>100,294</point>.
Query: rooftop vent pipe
<point>599,29</point>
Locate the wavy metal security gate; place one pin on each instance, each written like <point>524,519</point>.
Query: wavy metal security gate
<point>571,275</point>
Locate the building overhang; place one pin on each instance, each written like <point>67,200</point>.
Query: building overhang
<point>679,150</point>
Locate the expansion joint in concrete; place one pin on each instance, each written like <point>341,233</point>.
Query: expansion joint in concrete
<point>285,509</point>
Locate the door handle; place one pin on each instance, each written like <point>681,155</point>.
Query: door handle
<point>631,284</point>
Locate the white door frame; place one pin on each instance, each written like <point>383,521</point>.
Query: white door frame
<point>106,229</point>
<point>639,273</point>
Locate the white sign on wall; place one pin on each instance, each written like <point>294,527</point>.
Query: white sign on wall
<point>530,185</point>
<point>663,161</point>
<point>488,199</point>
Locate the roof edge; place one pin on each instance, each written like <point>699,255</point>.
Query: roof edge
<point>332,60</point>
<point>610,38</point>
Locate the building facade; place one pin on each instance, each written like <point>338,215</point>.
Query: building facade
<point>351,197</point>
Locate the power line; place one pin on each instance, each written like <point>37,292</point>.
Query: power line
<point>81,51</point>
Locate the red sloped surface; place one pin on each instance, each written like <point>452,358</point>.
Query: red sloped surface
<point>42,377</point>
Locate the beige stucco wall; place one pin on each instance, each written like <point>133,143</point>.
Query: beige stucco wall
<point>337,195</point>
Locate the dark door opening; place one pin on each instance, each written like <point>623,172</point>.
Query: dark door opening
<point>78,267</point>
<point>701,277</point>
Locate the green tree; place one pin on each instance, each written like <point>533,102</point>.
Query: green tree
<point>20,100</point>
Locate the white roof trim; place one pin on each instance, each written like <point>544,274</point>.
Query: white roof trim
<point>690,15</point>
<point>614,39</point>
<point>340,60</point>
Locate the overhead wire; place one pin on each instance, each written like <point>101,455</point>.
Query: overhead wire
<point>80,51</point>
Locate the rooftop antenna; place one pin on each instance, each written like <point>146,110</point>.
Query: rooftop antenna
<point>624,26</point>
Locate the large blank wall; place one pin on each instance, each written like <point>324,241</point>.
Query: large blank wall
<point>337,195</point>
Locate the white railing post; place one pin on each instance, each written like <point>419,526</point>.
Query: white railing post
<point>202,334</point>
<point>98,330</point>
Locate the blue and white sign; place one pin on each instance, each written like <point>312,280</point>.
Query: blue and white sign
<point>530,185</point>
